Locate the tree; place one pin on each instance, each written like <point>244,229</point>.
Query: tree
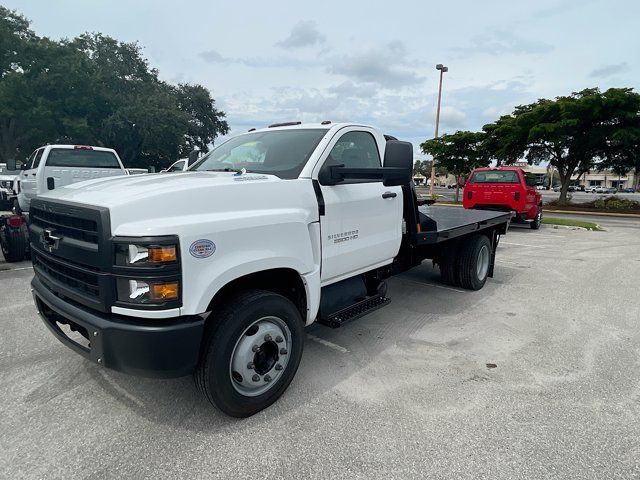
<point>95,90</point>
<point>422,167</point>
<point>204,121</point>
<point>458,153</point>
<point>621,150</point>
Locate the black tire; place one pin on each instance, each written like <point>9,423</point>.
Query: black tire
<point>472,252</point>
<point>14,246</point>
<point>535,224</point>
<point>225,329</point>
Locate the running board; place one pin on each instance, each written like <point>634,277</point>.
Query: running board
<point>354,311</point>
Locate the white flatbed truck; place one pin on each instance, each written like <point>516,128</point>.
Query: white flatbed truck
<point>216,271</point>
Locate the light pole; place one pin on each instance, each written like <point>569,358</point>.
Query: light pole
<point>442,69</point>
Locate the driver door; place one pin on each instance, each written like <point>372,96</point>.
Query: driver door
<point>362,225</point>
<point>28,185</point>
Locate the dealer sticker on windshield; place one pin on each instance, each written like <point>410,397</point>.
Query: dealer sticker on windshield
<point>202,248</point>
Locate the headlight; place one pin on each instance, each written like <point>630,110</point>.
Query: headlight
<point>145,255</point>
<point>147,291</point>
<point>147,272</point>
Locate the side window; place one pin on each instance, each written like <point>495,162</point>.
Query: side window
<point>355,150</point>
<point>177,167</point>
<point>36,159</point>
<point>29,161</point>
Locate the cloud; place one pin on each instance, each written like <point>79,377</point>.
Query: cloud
<point>609,70</point>
<point>213,56</point>
<point>303,34</point>
<point>452,118</point>
<point>385,66</point>
<point>502,42</point>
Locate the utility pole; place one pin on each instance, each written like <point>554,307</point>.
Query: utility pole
<point>442,69</point>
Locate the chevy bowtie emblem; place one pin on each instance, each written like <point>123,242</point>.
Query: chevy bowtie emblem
<point>49,240</point>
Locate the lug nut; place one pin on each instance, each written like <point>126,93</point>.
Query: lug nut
<point>279,339</point>
<point>267,338</point>
<point>256,378</point>
<point>255,348</point>
<point>250,365</point>
<point>283,351</point>
<point>267,378</point>
<point>278,367</point>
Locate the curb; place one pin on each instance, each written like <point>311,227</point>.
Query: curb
<point>597,214</point>
<point>569,212</point>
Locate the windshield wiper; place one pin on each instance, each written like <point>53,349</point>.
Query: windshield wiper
<point>237,171</point>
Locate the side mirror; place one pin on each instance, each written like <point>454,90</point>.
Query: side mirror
<point>336,174</point>
<point>11,164</point>
<point>398,155</point>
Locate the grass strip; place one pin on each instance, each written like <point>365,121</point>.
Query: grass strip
<point>569,222</point>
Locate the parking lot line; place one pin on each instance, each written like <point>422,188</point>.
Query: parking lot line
<point>15,269</point>
<point>327,343</point>
<point>522,245</point>
<point>432,285</point>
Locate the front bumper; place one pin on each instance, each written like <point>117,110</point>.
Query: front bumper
<point>149,348</point>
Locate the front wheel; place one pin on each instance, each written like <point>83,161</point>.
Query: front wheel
<point>251,352</point>
<point>537,220</point>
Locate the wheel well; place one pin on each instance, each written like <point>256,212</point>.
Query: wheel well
<point>283,281</point>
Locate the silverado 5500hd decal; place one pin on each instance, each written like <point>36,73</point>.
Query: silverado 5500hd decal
<point>344,236</point>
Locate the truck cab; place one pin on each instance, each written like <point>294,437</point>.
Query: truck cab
<point>504,189</point>
<point>285,226</point>
<point>54,166</point>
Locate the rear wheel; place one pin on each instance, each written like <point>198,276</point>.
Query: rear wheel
<point>474,260</point>
<point>251,352</point>
<point>13,242</point>
<point>535,224</point>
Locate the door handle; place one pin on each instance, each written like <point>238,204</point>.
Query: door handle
<point>389,195</point>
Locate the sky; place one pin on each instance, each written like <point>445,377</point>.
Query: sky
<point>369,62</point>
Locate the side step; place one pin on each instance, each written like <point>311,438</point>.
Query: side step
<point>354,311</point>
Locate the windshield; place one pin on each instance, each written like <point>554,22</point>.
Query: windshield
<point>65,157</point>
<point>496,176</point>
<point>283,153</point>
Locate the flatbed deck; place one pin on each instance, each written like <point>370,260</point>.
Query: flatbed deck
<point>441,223</point>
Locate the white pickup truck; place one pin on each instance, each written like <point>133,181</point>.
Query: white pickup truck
<point>54,166</point>
<point>217,270</point>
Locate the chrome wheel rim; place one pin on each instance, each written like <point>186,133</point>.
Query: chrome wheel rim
<point>483,262</point>
<point>260,356</point>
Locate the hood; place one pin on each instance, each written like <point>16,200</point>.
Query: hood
<point>158,204</point>
<point>123,190</point>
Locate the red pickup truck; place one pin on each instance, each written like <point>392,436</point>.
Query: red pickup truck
<point>504,189</point>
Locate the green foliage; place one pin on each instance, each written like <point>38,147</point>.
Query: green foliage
<point>616,203</point>
<point>569,222</point>
<point>458,153</point>
<point>95,90</point>
<point>422,167</point>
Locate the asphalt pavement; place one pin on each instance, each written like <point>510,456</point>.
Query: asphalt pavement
<point>534,377</point>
